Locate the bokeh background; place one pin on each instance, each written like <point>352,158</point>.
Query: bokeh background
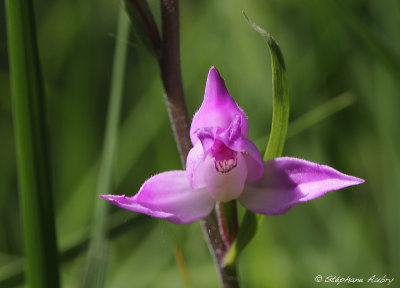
<point>330,47</point>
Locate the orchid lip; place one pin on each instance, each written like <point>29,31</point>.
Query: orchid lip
<point>226,165</point>
<point>225,159</point>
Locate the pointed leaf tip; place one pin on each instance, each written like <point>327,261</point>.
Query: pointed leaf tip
<point>272,43</point>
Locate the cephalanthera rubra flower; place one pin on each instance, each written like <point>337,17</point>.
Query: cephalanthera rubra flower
<point>224,165</point>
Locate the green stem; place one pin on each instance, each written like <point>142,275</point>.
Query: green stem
<point>97,257</point>
<point>171,76</point>
<point>32,150</point>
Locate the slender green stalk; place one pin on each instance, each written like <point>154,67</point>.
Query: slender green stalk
<point>96,264</point>
<point>32,158</point>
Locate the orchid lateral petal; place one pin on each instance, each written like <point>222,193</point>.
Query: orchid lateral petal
<point>255,168</point>
<point>290,181</point>
<point>218,108</point>
<point>167,195</point>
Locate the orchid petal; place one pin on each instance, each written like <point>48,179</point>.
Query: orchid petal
<point>290,181</point>
<point>168,195</point>
<point>255,167</point>
<point>218,108</point>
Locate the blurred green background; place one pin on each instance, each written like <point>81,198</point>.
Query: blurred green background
<point>330,47</point>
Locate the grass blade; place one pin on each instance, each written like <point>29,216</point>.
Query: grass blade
<point>33,164</point>
<point>318,114</point>
<point>97,258</point>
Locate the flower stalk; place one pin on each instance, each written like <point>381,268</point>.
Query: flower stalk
<point>170,66</point>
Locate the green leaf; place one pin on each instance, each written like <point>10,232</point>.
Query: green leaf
<point>280,113</point>
<point>144,25</point>
<point>280,119</point>
<point>34,174</point>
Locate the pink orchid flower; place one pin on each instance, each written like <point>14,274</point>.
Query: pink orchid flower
<point>225,165</point>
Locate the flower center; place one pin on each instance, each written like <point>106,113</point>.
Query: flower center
<point>225,159</point>
<point>225,166</point>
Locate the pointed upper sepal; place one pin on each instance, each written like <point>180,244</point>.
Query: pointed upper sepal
<point>218,108</point>
<point>290,181</point>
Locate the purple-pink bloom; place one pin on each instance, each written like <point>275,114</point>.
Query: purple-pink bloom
<point>224,165</point>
